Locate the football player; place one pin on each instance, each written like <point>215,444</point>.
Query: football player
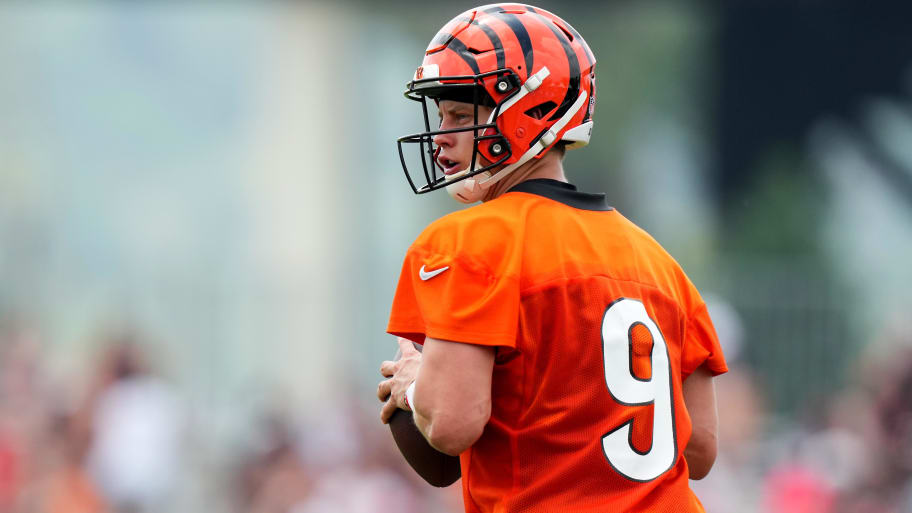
<point>567,359</point>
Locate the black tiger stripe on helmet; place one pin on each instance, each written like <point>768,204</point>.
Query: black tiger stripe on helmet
<point>462,51</point>
<point>521,34</point>
<point>496,44</point>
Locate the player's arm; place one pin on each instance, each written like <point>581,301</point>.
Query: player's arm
<point>700,400</point>
<point>452,400</point>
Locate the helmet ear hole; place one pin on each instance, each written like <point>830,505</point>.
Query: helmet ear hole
<point>541,110</point>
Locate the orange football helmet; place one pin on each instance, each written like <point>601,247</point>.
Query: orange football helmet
<point>530,66</point>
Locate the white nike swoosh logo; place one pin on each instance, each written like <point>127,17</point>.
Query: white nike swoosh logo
<point>427,275</point>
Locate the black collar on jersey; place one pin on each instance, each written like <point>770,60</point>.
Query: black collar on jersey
<point>565,193</point>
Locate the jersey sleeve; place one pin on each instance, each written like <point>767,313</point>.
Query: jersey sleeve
<point>451,290</point>
<point>701,345</point>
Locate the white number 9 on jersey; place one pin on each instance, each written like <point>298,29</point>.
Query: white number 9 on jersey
<point>620,319</point>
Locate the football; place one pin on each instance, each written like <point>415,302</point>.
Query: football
<point>433,466</point>
<point>437,468</point>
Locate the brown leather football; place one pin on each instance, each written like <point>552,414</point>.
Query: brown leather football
<point>437,468</point>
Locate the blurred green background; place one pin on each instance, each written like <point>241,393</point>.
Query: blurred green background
<point>204,200</point>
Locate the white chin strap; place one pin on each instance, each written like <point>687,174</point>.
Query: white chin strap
<point>473,189</point>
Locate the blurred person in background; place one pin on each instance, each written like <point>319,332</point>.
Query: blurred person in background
<point>135,454</point>
<point>878,411</point>
<point>343,447</point>
<point>567,360</point>
<point>332,462</point>
<point>737,477</point>
<point>894,418</point>
<point>67,487</point>
<point>9,467</point>
<point>274,478</point>
<point>25,412</point>
<point>850,453</point>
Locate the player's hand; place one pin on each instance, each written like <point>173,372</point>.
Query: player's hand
<point>401,374</point>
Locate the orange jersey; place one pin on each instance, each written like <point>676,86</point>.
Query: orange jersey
<point>595,326</point>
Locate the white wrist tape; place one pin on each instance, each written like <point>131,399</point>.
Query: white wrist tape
<point>410,396</point>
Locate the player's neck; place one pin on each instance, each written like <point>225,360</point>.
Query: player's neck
<point>549,166</point>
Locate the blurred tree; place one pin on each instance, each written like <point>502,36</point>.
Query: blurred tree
<point>783,65</point>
